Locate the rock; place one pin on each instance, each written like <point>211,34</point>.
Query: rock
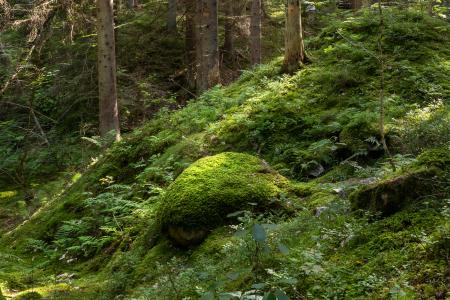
<point>186,237</point>
<point>319,210</point>
<point>340,191</point>
<point>317,171</point>
<point>430,175</point>
<point>390,196</point>
<point>200,199</point>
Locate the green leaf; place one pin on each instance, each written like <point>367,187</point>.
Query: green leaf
<point>283,248</point>
<point>258,286</point>
<point>270,296</point>
<point>258,233</point>
<point>290,281</point>
<point>233,275</point>
<point>208,296</point>
<point>281,295</point>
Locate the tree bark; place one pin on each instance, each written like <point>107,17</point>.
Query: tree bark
<point>228,45</point>
<point>131,3</point>
<point>208,72</point>
<point>172,15</point>
<point>109,111</point>
<point>255,33</point>
<point>190,43</point>
<point>294,54</point>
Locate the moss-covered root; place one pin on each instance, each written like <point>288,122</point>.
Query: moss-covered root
<point>213,187</point>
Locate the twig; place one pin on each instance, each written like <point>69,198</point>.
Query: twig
<point>185,89</point>
<point>38,125</point>
<point>28,108</point>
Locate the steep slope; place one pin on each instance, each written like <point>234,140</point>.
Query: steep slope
<point>101,238</point>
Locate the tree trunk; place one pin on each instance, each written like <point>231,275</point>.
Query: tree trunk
<point>172,16</point>
<point>208,73</point>
<point>255,33</point>
<point>294,54</point>
<point>131,3</point>
<point>109,112</point>
<point>190,43</point>
<point>228,45</point>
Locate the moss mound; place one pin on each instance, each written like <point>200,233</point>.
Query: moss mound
<point>213,187</point>
<point>438,157</point>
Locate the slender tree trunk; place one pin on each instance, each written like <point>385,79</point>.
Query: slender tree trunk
<point>382,67</point>
<point>294,54</point>
<point>228,45</point>
<point>208,73</point>
<point>109,111</point>
<point>190,43</point>
<point>131,3</point>
<point>172,16</point>
<point>255,33</point>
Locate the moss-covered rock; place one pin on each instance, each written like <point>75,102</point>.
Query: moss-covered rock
<point>430,176</point>
<point>391,195</point>
<point>213,187</point>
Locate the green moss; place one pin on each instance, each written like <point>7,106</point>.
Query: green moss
<point>356,134</point>
<point>338,173</point>
<point>30,296</point>
<point>213,244</point>
<point>438,157</point>
<point>214,186</point>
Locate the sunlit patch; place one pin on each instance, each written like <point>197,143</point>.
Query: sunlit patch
<point>7,194</point>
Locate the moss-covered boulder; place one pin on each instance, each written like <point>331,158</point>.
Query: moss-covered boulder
<point>391,195</point>
<point>429,176</point>
<point>213,187</point>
